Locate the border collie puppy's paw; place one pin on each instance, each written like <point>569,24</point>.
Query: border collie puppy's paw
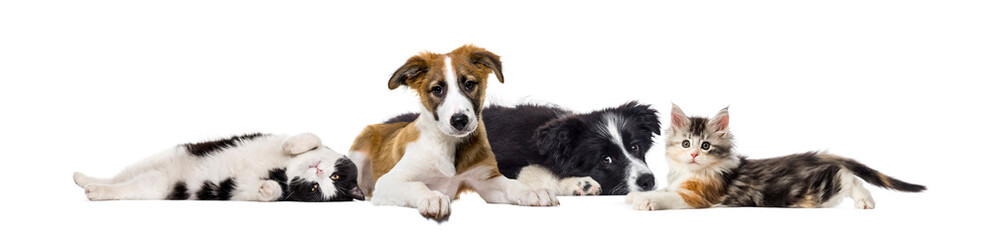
<point>435,206</point>
<point>535,198</point>
<point>579,186</point>
<point>270,191</point>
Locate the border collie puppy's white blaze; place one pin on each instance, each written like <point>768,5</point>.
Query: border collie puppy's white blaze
<point>573,154</point>
<point>428,161</point>
<point>253,167</point>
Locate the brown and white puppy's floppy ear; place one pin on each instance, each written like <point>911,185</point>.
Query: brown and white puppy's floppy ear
<point>301,143</point>
<point>414,67</point>
<point>489,60</point>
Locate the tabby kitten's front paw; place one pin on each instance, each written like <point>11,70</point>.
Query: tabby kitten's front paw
<point>644,201</point>
<point>579,186</point>
<point>270,191</point>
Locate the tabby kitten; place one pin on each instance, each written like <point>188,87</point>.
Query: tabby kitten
<point>252,167</point>
<point>705,172</point>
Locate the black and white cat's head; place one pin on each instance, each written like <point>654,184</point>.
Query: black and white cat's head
<point>608,145</point>
<point>698,143</point>
<point>318,174</point>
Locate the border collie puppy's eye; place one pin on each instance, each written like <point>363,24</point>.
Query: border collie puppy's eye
<point>606,160</point>
<point>635,148</point>
<point>470,85</point>
<point>437,91</point>
<point>334,176</point>
<point>705,146</point>
<point>686,143</point>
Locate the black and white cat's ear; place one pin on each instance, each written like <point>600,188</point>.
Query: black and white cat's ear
<point>301,143</point>
<point>679,119</point>
<point>720,122</point>
<point>555,138</point>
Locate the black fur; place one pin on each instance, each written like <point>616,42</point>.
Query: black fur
<point>568,144</point>
<point>211,191</point>
<point>179,192</point>
<point>206,148</point>
<point>279,175</point>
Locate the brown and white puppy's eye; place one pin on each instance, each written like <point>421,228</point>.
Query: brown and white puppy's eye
<point>438,90</point>
<point>334,176</point>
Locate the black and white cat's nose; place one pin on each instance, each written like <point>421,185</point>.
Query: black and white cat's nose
<point>459,121</point>
<point>646,182</point>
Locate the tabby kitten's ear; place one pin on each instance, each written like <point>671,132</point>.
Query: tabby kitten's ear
<point>679,119</point>
<point>720,122</point>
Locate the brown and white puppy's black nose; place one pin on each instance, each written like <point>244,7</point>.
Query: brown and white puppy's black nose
<point>459,121</point>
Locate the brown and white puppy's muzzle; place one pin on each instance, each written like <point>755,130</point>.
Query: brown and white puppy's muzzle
<point>452,86</point>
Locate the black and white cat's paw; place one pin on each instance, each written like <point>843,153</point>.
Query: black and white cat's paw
<point>435,205</point>
<point>579,186</point>
<point>82,180</point>
<point>301,143</point>
<point>96,192</point>
<point>270,191</point>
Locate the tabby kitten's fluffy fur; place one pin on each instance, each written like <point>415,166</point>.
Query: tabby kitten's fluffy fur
<point>253,167</point>
<point>704,172</point>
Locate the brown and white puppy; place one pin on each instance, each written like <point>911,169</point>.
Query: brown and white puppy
<point>444,152</point>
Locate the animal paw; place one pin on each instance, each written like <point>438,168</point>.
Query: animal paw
<point>94,192</point>
<point>535,197</point>
<point>865,203</point>
<point>435,206</point>
<point>270,191</point>
<point>645,201</point>
<point>579,186</point>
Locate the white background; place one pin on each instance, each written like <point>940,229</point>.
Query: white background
<point>92,86</point>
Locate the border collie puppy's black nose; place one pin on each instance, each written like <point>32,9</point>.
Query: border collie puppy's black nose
<point>459,121</point>
<point>646,182</point>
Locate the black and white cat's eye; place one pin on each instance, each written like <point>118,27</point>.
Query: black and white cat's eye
<point>469,85</point>
<point>686,143</point>
<point>437,91</point>
<point>314,189</point>
<point>606,159</point>
<point>334,176</point>
<point>705,146</point>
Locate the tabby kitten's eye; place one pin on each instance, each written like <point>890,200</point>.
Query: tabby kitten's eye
<point>606,160</point>
<point>705,146</point>
<point>686,143</point>
<point>334,176</point>
<point>314,189</point>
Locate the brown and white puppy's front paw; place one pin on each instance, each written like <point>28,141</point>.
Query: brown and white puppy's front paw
<point>579,186</point>
<point>534,197</point>
<point>270,191</point>
<point>435,205</point>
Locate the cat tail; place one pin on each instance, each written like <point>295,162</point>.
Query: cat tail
<point>876,178</point>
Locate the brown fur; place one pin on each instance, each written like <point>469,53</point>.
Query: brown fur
<point>384,143</point>
<point>701,193</point>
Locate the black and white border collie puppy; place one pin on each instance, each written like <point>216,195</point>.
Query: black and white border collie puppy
<point>251,167</point>
<point>574,154</point>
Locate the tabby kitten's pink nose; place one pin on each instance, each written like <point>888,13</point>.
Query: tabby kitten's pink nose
<point>694,155</point>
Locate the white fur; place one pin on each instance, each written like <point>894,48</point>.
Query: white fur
<point>538,177</point>
<point>248,163</point>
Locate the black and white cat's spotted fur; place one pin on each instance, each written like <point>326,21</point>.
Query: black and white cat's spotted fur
<point>705,172</point>
<point>252,167</point>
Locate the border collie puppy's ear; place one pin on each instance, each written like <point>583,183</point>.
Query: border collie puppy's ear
<point>301,143</point>
<point>488,60</point>
<point>414,67</point>
<point>647,117</point>
<point>555,139</point>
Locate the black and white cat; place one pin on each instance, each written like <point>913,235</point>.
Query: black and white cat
<point>704,171</point>
<point>252,167</point>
